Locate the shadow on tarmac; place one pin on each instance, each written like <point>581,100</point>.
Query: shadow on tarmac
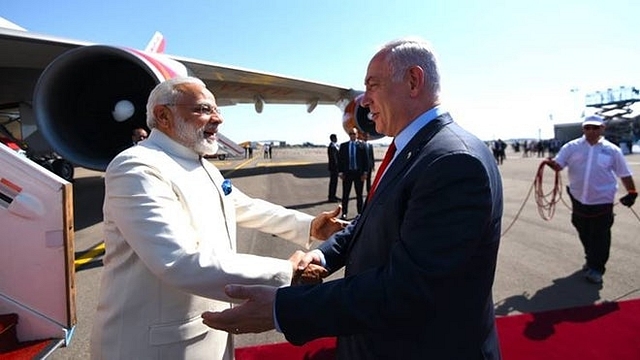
<point>88,195</point>
<point>304,171</point>
<point>569,293</point>
<point>88,192</point>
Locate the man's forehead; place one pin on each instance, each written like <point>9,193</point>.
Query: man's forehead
<point>378,69</point>
<point>195,91</point>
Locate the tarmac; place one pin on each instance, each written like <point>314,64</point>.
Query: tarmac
<point>539,260</point>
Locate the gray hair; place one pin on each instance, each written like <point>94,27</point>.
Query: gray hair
<point>167,92</point>
<point>407,52</point>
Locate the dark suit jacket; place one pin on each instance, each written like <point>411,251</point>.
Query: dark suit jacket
<point>371,161</point>
<point>332,157</point>
<point>361,157</point>
<point>420,260</point>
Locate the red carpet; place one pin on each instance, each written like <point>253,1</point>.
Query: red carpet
<point>12,349</point>
<point>596,332</point>
<point>28,350</point>
<point>319,349</point>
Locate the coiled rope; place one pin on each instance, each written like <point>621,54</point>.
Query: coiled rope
<point>546,202</point>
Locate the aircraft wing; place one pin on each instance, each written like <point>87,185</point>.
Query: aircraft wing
<point>234,85</point>
<point>67,92</point>
<point>24,56</point>
<point>29,53</point>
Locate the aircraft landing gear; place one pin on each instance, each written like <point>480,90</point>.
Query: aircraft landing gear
<point>63,168</point>
<point>56,165</point>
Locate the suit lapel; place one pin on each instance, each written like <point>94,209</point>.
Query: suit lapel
<point>410,152</point>
<point>403,161</point>
<point>216,179</point>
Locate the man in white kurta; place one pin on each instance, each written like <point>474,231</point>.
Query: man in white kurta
<point>170,236</point>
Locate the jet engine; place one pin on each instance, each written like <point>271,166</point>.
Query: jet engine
<point>88,100</point>
<point>357,116</point>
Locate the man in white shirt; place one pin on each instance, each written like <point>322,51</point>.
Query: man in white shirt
<point>594,163</point>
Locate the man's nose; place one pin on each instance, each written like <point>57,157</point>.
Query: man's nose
<point>216,118</point>
<point>364,101</point>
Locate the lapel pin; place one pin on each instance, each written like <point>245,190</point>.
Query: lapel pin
<point>227,187</point>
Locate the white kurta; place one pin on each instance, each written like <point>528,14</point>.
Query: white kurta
<point>170,238</point>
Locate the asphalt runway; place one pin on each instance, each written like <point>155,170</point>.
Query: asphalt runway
<point>538,264</point>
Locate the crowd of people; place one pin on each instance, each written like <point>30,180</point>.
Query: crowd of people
<point>528,148</point>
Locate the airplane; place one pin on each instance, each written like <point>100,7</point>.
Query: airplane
<point>81,100</point>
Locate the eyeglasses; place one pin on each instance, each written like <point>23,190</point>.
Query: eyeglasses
<point>204,109</point>
<point>591,127</point>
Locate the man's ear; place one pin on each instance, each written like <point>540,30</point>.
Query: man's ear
<point>416,79</point>
<point>163,117</point>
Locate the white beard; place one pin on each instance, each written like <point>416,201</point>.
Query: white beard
<point>194,138</point>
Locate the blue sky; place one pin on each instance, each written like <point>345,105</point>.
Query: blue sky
<point>506,65</point>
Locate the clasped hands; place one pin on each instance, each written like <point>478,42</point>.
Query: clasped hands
<point>255,313</point>
<point>307,268</point>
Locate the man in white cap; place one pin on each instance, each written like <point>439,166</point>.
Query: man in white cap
<point>593,164</point>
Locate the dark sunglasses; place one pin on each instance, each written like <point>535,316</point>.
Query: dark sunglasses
<point>591,127</point>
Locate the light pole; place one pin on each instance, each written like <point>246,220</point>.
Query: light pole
<point>578,105</point>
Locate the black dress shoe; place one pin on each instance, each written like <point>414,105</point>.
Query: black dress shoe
<point>334,199</point>
<point>343,217</point>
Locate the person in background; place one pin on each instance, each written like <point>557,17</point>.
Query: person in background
<point>266,149</point>
<point>499,151</point>
<point>170,235</point>
<point>420,260</point>
<point>352,166</point>
<point>594,163</point>
<point>371,161</point>
<point>332,160</point>
<point>138,134</point>
<point>246,150</point>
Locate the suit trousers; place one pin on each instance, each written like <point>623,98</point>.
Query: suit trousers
<point>333,185</point>
<point>355,178</point>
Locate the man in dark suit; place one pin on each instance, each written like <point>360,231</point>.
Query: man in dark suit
<point>352,166</point>
<point>332,159</point>
<point>363,137</point>
<point>420,261</point>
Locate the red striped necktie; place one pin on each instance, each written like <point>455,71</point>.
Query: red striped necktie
<point>383,166</point>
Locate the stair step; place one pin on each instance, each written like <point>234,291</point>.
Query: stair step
<point>8,333</point>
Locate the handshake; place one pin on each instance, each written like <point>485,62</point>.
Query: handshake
<point>307,268</point>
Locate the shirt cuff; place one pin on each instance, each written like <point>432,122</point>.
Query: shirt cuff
<point>323,261</point>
